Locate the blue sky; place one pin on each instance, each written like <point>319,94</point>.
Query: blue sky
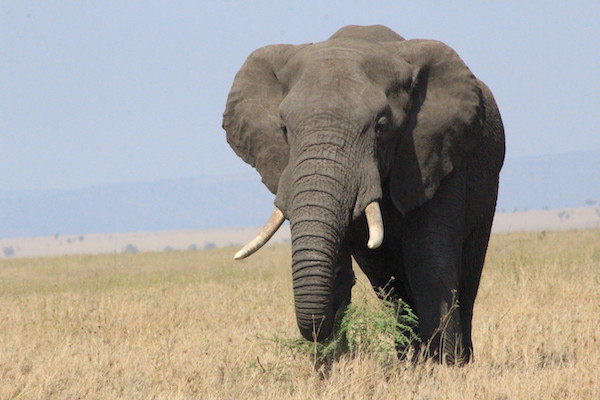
<point>102,92</point>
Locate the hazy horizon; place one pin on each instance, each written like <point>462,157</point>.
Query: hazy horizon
<point>241,200</point>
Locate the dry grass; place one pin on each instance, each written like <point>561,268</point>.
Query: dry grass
<point>196,325</point>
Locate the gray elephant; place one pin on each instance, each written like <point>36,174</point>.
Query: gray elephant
<point>382,149</point>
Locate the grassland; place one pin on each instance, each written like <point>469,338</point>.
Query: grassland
<point>196,325</point>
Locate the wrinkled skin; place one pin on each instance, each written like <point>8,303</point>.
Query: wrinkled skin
<point>368,116</point>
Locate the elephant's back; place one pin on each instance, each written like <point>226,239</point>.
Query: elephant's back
<point>483,166</point>
<point>372,33</point>
<point>492,140</point>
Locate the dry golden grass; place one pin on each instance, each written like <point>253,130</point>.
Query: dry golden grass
<point>196,326</point>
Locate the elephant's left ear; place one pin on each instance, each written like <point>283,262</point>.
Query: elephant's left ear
<point>444,117</point>
<point>251,117</point>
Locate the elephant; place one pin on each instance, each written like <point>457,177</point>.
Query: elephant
<point>380,149</point>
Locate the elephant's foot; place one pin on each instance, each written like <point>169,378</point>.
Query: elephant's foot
<point>445,344</point>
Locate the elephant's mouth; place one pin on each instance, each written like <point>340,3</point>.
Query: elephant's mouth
<point>374,223</point>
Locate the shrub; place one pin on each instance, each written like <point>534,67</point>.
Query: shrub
<point>130,249</point>
<point>9,251</point>
<point>210,246</point>
<point>384,329</point>
<point>192,247</point>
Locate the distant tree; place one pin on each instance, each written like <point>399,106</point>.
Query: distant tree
<point>590,202</point>
<point>563,215</point>
<point>192,247</point>
<point>210,246</point>
<point>9,251</point>
<point>81,238</point>
<point>169,249</point>
<point>130,249</point>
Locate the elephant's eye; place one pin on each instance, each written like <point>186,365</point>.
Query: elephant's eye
<point>381,124</point>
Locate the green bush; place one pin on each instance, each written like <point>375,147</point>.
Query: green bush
<point>384,329</point>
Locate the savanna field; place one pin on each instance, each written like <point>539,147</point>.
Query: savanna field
<point>197,325</point>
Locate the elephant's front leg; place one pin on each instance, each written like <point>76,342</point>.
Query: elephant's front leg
<point>432,245</point>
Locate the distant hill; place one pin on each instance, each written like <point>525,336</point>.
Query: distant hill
<point>553,181</point>
<point>203,202</point>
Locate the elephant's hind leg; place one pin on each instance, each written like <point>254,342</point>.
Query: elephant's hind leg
<point>474,251</point>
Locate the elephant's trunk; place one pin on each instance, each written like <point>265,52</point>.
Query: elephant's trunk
<point>319,218</point>
<point>313,277</point>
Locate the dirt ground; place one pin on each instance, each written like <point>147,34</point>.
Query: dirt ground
<point>546,220</point>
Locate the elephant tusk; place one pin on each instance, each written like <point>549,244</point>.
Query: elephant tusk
<point>375,223</point>
<point>263,236</point>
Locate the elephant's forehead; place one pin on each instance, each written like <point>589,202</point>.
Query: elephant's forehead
<point>340,77</point>
<point>337,100</point>
<point>358,45</point>
<point>341,61</point>
<point>340,53</point>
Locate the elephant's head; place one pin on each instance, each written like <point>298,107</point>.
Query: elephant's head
<point>330,125</point>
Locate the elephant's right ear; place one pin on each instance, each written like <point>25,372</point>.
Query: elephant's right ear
<point>251,117</point>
